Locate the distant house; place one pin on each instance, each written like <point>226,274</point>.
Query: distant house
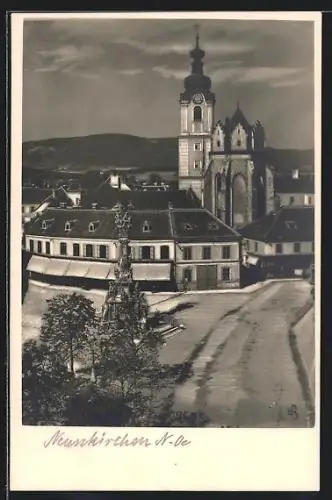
<point>105,197</point>
<point>170,248</point>
<point>295,189</point>
<point>35,200</point>
<point>280,244</point>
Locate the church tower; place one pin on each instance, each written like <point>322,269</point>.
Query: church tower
<point>197,120</point>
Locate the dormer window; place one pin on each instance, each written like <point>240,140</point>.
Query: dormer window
<point>93,226</point>
<point>187,227</point>
<point>68,226</point>
<point>291,225</point>
<point>146,228</point>
<point>47,223</point>
<point>213,226</point>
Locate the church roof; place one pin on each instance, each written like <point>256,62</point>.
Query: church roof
<point>288,224</point>
<point>239,118</point>
<point>287,184</point>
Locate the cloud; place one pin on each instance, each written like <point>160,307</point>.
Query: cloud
<point>130,72</point>
<point>67,59</point>
<point>165,72</point>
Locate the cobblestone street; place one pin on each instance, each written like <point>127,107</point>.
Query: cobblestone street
<point>245,375</point>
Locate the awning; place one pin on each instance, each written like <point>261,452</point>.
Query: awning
<point>101,271</point>
<point>57,267</point>
<point>252,260</point>
<point>37,264</point>
<point>78,269</point>
<point>152,272</point>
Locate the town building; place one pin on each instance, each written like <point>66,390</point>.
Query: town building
<point>224,162</point>
<point>294,189</point>
<point>35,200</point>
<point>280,244</point>
<point>171,248</point>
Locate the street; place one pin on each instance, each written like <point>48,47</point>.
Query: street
<point>245,375</point>
<point>242,370</point>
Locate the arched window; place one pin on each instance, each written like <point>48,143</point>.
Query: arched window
<point>197,114</point>
<point>240,201</point>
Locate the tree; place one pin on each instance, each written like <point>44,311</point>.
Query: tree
<point>130,350</point>
<point>45,385</point>
<point>65,327</point>
<point>154,178</point>
<point>93,404</point>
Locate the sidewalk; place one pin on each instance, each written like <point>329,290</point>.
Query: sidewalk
<point>305,335</point>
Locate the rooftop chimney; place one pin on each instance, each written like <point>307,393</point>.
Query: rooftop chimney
<point>295,173</point>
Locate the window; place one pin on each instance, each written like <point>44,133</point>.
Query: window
<point>89,250</point>
<point>32,249</point>
<point>238,143</point>
<point>164,252</point>
<point>213,226</point>
<point>187,275</point>
<point>309,200</point>
<point>197,114</point>
<point>291,225</point>
<point>225,274</point>
<point>278,248</point>
<point>218,144</point>
<point>187,227</point>
<point>256,246</point>
<point>291,200</point>
<point>197,146</point>
<point>146,227</point>
<point>187,254</point>
<point>47,248</point>
<point>197,164</point>
<point>297,247</point>
<point>39,246</point>
<point>93,226</point>
<point>102,251</point>
<point>76,250</point>
<point>146,253</point>
<point>67,226</point>
<point>63,248</point>
<point>206,253</point>
<point>226,252</point>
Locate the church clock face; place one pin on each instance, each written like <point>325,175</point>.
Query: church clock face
<point>198,98</point>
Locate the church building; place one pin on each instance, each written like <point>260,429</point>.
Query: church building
<point>222,162</point>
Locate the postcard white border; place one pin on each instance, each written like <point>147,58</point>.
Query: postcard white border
<point>218,459</point>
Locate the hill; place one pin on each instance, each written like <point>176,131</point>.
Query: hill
<point>127,152</point>
<point>101,152</point>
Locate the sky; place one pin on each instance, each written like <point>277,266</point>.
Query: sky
<point>87,76</point>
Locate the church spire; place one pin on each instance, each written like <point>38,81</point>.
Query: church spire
<point>197,55</point>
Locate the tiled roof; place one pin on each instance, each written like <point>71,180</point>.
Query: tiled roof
<point>157,221</point>
<point>288,224</point>
<point>190,225</point>
<point>106,197</point>
<point>286,184</point>
<point>200,226</point>
<point>32,195</point>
